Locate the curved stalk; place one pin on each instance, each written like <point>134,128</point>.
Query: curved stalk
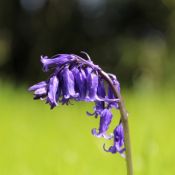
<point>124,119</point>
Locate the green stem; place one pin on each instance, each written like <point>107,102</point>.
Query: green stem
<point>124,119</point>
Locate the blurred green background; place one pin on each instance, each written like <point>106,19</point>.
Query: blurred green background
<point>133,39</point>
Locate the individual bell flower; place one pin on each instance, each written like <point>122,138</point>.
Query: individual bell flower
<point>53,91</point>
<point>92,84</point>
<point>80,83</point>
<point>105,120</point>
<point>101,88</point>
<point>38,86</point>
<point>57,60</point>
<point>118,145</point>
<point>68,84</point>
<point>40,90</point>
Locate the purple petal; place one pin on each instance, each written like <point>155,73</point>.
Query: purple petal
<point>101,89</point>
<point>40,94</point>
<point>40,91</point>
<point>112,96</point>
<point>38,86</point>
<point>99,107</point>
<point>92,84</point>
<point>119,135</point>
<point>80,82</point>
<point>111,149</point>
<point>118,145</point>
<point>57,60</point>
<point>53,89</point>
<point>105,120</point>
<point>68,86</point>
<point>75,72</point>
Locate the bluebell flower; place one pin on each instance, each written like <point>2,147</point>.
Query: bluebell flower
<point>57,60</point>
<point>118,145</point>
<point>68,85</point>
<point>105,120</point>
<point>80,82</point>
<point>40,90</point>
<point>78,79</point>
<point>92,84</point>
<point>101,89</point>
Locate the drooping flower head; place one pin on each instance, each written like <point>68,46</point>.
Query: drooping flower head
<point>81,80</point>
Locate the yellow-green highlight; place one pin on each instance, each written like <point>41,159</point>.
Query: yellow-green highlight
<point>35,140</point>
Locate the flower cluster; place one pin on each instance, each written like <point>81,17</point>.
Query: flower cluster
<point>76,78</point>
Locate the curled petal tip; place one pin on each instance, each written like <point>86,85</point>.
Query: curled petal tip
<point>104,135</point>
<point>94,132</point>
<point>108,137</point>
<point>104,148</point>
<point>90,114</point>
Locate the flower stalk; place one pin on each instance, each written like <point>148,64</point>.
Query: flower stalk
<point>124,119</point>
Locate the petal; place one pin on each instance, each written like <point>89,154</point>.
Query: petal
<point>114,149</point>
<point>41,91</point>
<point>80,82</point>
<point>110,93</point>
<point>38,86</point>
<point>57,60</point>
<point>68,87</point>
<point>53,89</point>
<point>119,135</point>
<point>75,72</point>
<point>111,149</point>
<point>99,107</point>
<point>92,84</point>
<point>112,96</point>
<point>105,120</point>
<point>101,89</point>
<point>118,145</point>
<point>40,94</point>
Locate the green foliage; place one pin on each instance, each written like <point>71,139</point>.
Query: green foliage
<point>35,140</point>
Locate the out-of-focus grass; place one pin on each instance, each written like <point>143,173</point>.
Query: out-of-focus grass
<point>35,140</point>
